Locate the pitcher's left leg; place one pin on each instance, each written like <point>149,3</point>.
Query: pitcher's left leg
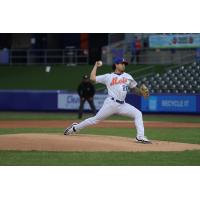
<point>132,112</point>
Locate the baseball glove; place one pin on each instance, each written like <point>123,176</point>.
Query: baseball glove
<point>144,91</point>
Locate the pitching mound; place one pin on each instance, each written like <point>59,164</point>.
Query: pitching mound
<point>51,142</point>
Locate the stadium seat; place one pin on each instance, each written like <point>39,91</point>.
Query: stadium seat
<point>183,79</point>
<point>182,68</point>
<point>194,64</point>
<point>152,91</point>
<point>144,79</point>
<point>190,67</point>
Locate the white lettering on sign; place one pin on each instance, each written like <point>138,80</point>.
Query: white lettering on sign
<point>175,103</point>
<point>72,101</point>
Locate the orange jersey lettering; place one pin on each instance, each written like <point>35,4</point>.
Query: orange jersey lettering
<point>116,81</point>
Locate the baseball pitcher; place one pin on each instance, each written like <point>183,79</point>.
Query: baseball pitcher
<point>117,84</point>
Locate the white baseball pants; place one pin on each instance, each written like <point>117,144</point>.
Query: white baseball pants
<point>111,107</point>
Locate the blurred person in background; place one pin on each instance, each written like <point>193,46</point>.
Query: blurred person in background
<point>86,91</point>
<point>133,51</point>
<point>138,46</point>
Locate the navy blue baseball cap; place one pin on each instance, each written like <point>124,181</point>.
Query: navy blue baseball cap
<point>118,60</point>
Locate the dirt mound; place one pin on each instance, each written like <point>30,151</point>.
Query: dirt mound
<point>91,143</point>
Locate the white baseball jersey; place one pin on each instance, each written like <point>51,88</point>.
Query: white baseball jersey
<point>117,84</point>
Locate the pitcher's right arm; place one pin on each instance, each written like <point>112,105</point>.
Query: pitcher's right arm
<point>94,70</point>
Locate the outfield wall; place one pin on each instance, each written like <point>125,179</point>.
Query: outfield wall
<point>57,100</point>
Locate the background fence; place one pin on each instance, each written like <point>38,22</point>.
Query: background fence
<point>73,56</point>
<point>69,56</point>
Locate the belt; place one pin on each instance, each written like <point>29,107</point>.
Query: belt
<point>118,101</point>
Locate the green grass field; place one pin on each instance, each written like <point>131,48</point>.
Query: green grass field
<point>73,116</point>
<point>16,158</point>
<point>61,77</point>
<point>185,135</point>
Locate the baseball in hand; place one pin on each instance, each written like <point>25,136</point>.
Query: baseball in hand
<point>99,63</point>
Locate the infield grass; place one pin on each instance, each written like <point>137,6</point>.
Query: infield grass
<point>18,158</point>
<point>185,135</point>
<point>73,116</point>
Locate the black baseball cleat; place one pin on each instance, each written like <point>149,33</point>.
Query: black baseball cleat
<point>70,130</point>
<point>143,140</point>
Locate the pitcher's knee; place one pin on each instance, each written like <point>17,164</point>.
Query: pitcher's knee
<point>138,115</point>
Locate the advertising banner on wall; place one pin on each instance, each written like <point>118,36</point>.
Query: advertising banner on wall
<point>72,101</point>
<point>174,41</point>
<point>169,104</point>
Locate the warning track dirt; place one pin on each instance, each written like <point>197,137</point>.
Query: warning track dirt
<point>104,124</point>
